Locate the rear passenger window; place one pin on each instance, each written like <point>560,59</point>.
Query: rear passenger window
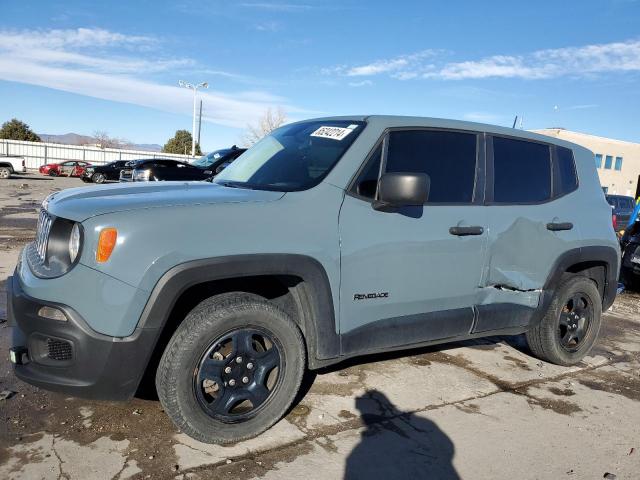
<point>564,172</point>
<point>521,171</point>
<point>449,158</point>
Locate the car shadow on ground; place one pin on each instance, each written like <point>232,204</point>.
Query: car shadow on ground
<point>397,444</point>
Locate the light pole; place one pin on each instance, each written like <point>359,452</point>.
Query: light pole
<point>193,126</point>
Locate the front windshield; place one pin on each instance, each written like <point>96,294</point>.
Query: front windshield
<point>293,157</point>
<point>209,158</point>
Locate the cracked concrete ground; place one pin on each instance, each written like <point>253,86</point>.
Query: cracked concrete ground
<point>482,410</point>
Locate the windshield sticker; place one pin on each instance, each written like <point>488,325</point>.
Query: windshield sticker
<point>334,133</point>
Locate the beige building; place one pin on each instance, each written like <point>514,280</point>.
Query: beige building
<point>618,162</point>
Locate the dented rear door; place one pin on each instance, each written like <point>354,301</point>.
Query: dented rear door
<point>531,202</point>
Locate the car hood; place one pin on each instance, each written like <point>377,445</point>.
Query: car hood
<point>78,204</point>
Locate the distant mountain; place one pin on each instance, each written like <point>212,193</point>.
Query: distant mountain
<point>77,139</point>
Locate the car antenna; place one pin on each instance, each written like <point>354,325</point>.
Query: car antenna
<point>515,122</point>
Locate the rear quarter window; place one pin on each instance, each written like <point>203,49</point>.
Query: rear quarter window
<point>565,179</point>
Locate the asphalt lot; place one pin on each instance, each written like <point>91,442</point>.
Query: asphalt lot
<point>473,410</point>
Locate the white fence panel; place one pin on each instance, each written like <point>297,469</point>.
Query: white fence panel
<point>39,153</point>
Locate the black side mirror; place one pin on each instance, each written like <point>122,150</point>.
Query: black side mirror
<point>402,190</point>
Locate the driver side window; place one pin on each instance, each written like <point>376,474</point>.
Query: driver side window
<point>447,157</point>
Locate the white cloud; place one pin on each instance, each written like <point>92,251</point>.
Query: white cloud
<point>400,64</point>
<point>587,60</point>
<point>583,107</point>
<point>363,83</point>
<point>95,63</point>
<point>482,117</point>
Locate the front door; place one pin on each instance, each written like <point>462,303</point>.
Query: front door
<point>412,275</point>
<point>67,168</point>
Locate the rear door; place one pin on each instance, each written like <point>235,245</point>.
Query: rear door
<point>531,205</point>
<point>406,278</point>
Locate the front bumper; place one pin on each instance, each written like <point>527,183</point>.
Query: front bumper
<point>70,357</point>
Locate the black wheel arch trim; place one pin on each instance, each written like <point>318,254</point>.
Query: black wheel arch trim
<point>589,254</point>
<point>317,321</point>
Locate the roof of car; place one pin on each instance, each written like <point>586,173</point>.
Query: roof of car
<point>391,121</point>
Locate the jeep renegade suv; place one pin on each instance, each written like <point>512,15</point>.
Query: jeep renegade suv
<point>328,239</point>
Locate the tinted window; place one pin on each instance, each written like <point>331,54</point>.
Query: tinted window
<point>449,158</point>
<point>522,171</point>
<point>564,172</point>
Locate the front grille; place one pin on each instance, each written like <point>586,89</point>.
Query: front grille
<point>125,174</point>
<point>59,350</point>
<point>42,233</point>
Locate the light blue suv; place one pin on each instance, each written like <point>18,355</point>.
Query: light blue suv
<point>329,239</point>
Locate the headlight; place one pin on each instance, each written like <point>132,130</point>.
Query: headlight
<point>74,242</point>
<point>141,175</point>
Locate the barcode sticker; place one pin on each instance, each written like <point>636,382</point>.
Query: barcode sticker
<point>334,133</point>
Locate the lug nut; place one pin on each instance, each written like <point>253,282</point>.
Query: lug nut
<point>249,366</point>
<point>245,379</point>
<point>227,370</point>
<point>232,382</point>
<point>238,359</point>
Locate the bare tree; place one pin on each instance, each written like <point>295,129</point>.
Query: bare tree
<point>103,139</point>
<point>272,119</point>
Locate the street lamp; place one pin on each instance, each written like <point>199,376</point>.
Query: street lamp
<point>193,127</point>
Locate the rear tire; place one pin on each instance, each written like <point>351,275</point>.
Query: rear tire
<point>571,325</point>
<point>196,352</point>
<point>5,172</point>
<point>98,178</point>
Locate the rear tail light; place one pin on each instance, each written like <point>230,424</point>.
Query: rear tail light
<point>23,162</point>
<point>614,220</point>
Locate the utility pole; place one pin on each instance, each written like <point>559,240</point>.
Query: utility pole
<point>199,124</point>
<point>193,125</point>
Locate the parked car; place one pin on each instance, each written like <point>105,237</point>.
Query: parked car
<point>72,168</point>
<point>630,242</point>
<point>102,173</point>
<point>159,169</point>
<point>10,164</point>
<point>328,239</point>
<point>622,207</point>
<point>218,160</point>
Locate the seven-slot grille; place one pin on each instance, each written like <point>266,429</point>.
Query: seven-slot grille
<point>42,234</point>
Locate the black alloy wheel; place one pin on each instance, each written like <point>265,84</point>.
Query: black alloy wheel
<point>575,320</point>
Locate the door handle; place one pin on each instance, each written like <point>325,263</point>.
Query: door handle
<point>559,226</point>
<point>464,231</point>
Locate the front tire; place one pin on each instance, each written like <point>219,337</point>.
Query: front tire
<point>5,172</point>
<point>571,325</point>
<point>231,369</point>
<point>53,173</point>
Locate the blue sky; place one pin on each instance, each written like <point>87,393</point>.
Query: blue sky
<point>79,66</point>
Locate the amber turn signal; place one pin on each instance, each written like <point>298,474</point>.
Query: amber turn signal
<point>106,244</point>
